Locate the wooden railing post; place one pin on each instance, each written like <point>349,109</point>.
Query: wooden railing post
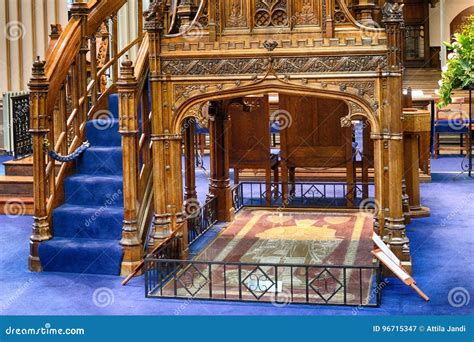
<point>39,128</point>
<point>128,106</point>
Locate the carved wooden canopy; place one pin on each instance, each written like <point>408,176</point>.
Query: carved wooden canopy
<point>223,47</point>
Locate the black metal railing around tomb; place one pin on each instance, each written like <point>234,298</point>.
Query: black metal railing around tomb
<point>303,195</point>
<point>280,284</point>
<point>202,220</point>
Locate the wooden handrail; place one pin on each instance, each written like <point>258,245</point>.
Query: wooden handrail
<point>64,53</point>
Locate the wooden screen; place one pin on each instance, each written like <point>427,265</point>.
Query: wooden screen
<point>315,140</point>
<point>250,133</point>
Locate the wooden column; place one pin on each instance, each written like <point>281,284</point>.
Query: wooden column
<point>393,132</point>
<point>189,154</point>
<point>39,127</point>
<point>220,182</point>
<point>128,107</point>
<point>166,145</point>
<point>379,171</point>
<point>415,123</point>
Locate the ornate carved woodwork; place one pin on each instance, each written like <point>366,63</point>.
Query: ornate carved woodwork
<point>271,13</point>
<point>310,48</point>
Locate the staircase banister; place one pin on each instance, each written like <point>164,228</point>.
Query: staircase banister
<point>66,49</point>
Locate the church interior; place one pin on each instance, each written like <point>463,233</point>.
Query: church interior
<point>231,157</point>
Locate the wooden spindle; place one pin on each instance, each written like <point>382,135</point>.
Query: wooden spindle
<point>114,52</point>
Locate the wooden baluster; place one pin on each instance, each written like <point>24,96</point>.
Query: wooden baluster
<point>94,78</point>
<point>127,86</point>
<point>114,52</point>
<point>63,115</point>
<point>40,127</point>
<point>75,97</point>
<point>80,10</point>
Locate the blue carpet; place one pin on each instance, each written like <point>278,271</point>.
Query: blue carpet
<point>87,227</point>
<point>441,245</point>
<point>4,159</point>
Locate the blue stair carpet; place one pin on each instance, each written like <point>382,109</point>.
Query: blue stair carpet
<point>88,226</point>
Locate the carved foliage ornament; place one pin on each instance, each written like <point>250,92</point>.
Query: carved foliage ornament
<point>282,65</point>
<point>392,11</point>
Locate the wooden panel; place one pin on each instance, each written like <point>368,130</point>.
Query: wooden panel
<point>315,137</point>
<point>235,14</point>
<point>250,133</point>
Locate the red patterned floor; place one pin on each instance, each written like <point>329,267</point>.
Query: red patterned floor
<point>302,240</point>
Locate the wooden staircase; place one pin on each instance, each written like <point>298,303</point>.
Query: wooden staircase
<point>16,188</point>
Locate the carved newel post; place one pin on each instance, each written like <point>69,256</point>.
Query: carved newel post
<point>166,148</point>
<point>39,128</point>
<point>395,235</point>
<point>128,108</point>
<point>220,181</point>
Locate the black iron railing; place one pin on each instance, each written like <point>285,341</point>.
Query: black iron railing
<point>20,121</point>
<point>302,194</point>
<point>202,220</point>
<point>276,283</point>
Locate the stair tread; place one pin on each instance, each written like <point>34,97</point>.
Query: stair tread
<point>4,198</point>
<point>24,161</point>
<point>86,207</point>
<point>16,179</point>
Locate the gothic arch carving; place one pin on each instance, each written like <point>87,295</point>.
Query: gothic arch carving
<point>196,95</point>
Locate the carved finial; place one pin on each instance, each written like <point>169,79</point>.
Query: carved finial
<point>38,67</point>
<point>154,16</point>
<point>270,46</point>
<point>127,70</point>
<point>56,30</point>
<point>392,11</point>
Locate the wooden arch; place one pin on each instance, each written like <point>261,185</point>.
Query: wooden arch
<point>358,106</point>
